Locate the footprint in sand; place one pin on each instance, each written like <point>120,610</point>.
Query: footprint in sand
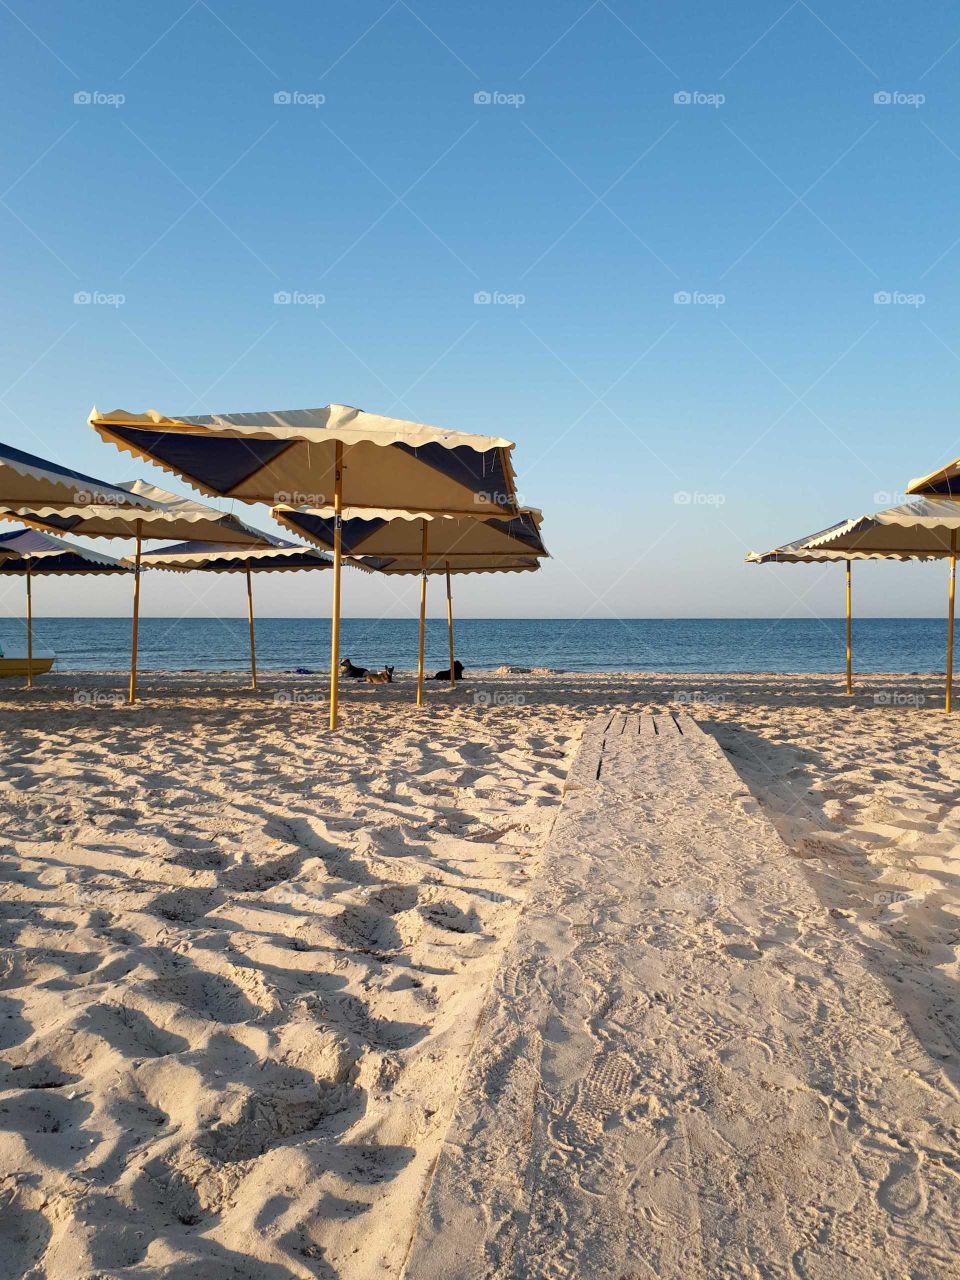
<point>743,950</point>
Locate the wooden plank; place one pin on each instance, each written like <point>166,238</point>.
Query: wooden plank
<point>586,765</point>
<point>669,1076</point>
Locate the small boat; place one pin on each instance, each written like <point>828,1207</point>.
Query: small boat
<point>13,660</point>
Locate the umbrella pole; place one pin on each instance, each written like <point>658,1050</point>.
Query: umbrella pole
<point>335,612</point>
<point>253,643</point>
<point>948,702</point>
<point>849,637</point>
<point>29,628</point>
<point>453,678</point>
<point>135,634</point>
<point>423,615</point>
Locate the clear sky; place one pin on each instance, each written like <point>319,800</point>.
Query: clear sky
<point>779,164</point>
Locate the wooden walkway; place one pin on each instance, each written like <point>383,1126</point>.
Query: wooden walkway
<point>685,1069</point>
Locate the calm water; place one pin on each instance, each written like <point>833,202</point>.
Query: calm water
<point>689,644</point>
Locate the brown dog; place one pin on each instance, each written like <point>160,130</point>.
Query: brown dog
<point>380,677</point>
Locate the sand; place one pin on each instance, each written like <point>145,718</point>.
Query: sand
<point>243,962</point>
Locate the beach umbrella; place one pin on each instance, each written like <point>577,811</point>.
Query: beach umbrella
<point>332,457</point>
<point>427,545</point>
<point>211,557</point>
<point>797,553</point>
<point>925,529</point>
<point>163,515</point>
<point>35,482</point>
<point>29,552</point>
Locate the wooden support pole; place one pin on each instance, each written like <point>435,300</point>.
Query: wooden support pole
<point>253,643</point>
<point>135,634</point>
<point>337,558</point>
<point>849,636</point>
<point>423,614</point>
<point>29,627</point>
<point>948,702</point>
<point>453,678</point>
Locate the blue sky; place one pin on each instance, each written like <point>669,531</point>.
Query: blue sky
<point>662,438</point>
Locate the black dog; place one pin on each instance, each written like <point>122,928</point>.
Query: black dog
<point>348,669</point>
<point>457,672</point>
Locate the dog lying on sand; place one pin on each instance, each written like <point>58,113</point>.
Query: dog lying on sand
<point>350,671</point>
<point>457,672</point>
<point>380,677</point>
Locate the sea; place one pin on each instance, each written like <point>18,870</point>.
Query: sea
<point>562,644</point>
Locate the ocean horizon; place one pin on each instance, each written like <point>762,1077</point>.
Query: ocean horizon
<point>791,645</point>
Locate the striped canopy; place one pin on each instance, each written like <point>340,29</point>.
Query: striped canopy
<point>466,564</point>
<point>42,485</point>
<point>801,551</point>
<point>23,549</point>
<point>289,456</point>
<point>165,515</point>
<point>448,539</point>
<point>279,556</point>
<point>942,483</point>
<point>925,529</point>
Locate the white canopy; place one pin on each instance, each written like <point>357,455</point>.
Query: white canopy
<point>447,538</point>
<point>162,515</point>
<point>464,564</point>
<point>25,551</point>
<point>43,485</point>
<point>278,557</point>
<point>291,456</point>
<point>925,529</point>
<point>942,483</point>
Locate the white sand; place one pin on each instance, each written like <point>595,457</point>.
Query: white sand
<point>243,961</point>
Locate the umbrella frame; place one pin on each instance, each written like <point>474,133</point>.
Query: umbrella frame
<point>36,519</point>
<point>29,625</point>
<point>337,567</point>
<point>423,612</point>
<point>798,557</point>
<point>951,597</point>
<point>102,424</point>
<point>424,571</point>
<point>248,569</point>
<point>107,566</point>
